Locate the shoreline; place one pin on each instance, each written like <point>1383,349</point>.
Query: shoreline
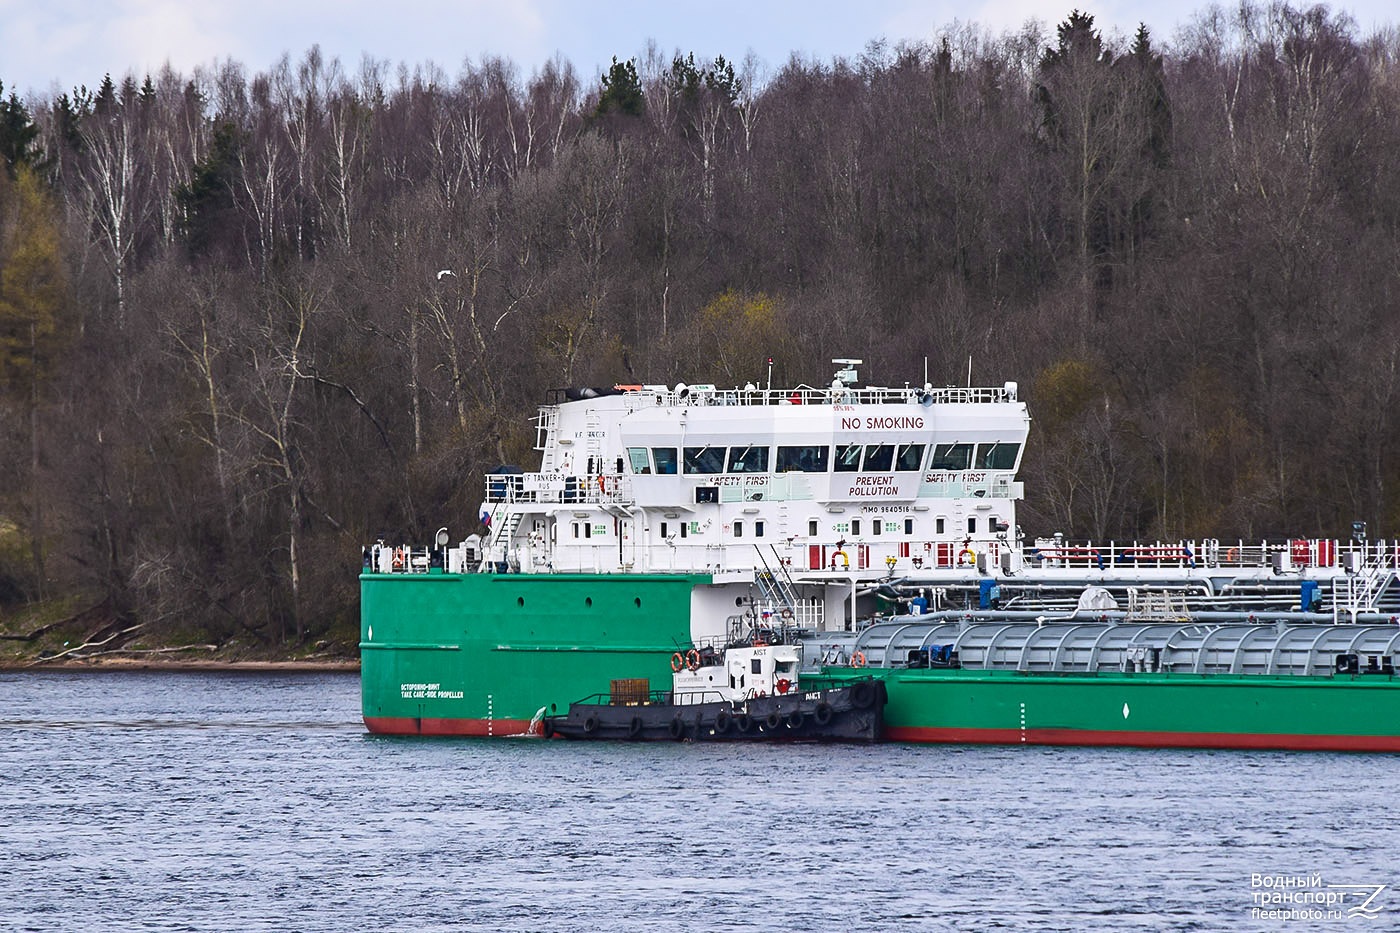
<point>108,665</point>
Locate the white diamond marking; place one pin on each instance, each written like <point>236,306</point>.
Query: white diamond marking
<point>1125,710</point>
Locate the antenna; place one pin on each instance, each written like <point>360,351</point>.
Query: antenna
<point>969,370</point>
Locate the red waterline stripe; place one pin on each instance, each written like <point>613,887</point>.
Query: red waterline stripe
<point>405,725</point>
<point>1287,742</point>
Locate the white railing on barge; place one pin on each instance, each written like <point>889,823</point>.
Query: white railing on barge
<point>705,395</point>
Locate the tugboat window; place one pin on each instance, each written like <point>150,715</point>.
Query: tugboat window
<point>879,458</point>
<point>704,460</point>
<point>910,457</point>
<point>848,458</point>
<point>665,458</point>
<point>951,457</point>
<point>756,666</point>
<point>803,459</point>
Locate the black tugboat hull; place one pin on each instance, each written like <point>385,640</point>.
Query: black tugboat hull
<point>852,713</point>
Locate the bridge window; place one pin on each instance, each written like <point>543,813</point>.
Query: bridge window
<point>999,456</point>
<point>879,458</point>
<point>951,457</point>
<point>847,458</point>
<point>665,458</point>
<point>803,459</point>
<point>748,460</point>
<point>641,463</point>
<point>704,460</point>
<point>910,457</point>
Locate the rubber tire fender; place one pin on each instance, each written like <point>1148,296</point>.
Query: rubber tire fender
<point>863,694</point>
<point>723,721</point>
<point>676,728</point>
<point>774,720</point>
<point>743,722</point>
<point>634,728</point>
<point>590,725</point>
<point>822,715</point>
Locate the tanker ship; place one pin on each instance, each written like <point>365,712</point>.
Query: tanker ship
<point>873,529</point>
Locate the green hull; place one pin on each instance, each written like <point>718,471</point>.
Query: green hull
<point>1342,712</point>
<point>481,654</point>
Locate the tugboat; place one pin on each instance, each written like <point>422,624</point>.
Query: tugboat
<point>739,693</point>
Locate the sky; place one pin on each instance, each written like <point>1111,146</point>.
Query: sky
<point>51,46</point>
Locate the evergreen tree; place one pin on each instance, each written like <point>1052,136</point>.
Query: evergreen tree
<point>622,91</point>
<point>17,133</point>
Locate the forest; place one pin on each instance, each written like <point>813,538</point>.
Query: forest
<point>251,322</point>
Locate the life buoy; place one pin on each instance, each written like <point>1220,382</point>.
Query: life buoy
<point>398,558</point>
<point>1232,555</point>
<point>858,658</point>
<point>677,662</point>
<point>786,615</point>
<point>784,685</point>
<point>692,659</point>
<point>971,556</point>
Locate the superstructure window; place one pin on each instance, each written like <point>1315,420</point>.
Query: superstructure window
<point>665,459</point>
<point>938,526</point>
<point>910,457</point>
<point>877,527</point>
<point>909,526</point>
<point>758,528</point>
<point>748,460</point>
<point>951,457</point>
<point>972,524</point>
<point>999,456</point>
<point>704,460</point>
<point>811,528</point>
<point>738,528</point>
<point>855,526</point>
<point>803,459</point>
<point>879,458</point>
<point>847,458</point>
<point>637,456</point>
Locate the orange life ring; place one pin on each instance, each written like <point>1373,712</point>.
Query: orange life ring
<point>692,659</point>
<point>677,662</point>
<point>971,556</point>
<point>1232,555</point>
<point>784,685</point>
<point>858,659</point>
<point>398,558</point>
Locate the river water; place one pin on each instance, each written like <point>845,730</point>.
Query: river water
<point>159,801</point>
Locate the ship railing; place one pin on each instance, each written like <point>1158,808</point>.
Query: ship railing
<point>559,488</point>
<point>1281,556</point>
<point>702,395</point>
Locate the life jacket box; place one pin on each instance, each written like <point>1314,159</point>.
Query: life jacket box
<point>632,691</point>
